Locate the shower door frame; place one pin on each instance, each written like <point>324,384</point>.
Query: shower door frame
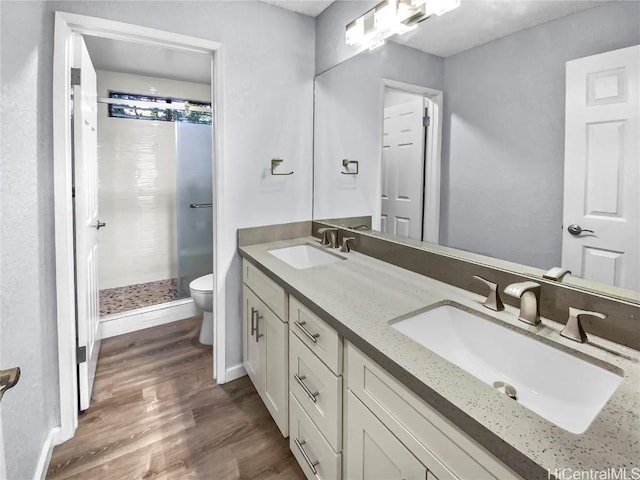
<point>67,25</point>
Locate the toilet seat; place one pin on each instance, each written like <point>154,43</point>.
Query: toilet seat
<point>202,284</point>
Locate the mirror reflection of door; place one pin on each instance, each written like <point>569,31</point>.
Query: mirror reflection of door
<point>602,168</point>
<point>403,163</point>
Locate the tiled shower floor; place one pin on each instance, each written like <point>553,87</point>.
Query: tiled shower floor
<point>130,297</point>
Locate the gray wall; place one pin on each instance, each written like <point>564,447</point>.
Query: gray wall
<point>503,145</point>
<point>268,111</point>
<point>348,124</point>
<point>27,282</point>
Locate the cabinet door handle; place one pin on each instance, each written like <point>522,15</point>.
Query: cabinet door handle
<point>258,334</point>
<point>312,465</point>
<point>310,394</point>
<point>312,336</point>
<point>253,325</point>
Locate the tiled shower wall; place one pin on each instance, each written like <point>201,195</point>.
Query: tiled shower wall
<point>137,184</point>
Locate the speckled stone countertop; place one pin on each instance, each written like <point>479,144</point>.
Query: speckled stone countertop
<point>359,296</point>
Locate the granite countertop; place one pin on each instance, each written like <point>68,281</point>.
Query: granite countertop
<point>359,296</point>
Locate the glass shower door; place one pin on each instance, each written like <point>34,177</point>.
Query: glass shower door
<point>194,203</point>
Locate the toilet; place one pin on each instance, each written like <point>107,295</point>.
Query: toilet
<point>202,294</point>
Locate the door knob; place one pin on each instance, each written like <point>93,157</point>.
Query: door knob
<point>8,379</point>
<point>100,224</point>
<point>577,229</point>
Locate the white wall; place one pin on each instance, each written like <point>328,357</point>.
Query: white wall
<point>137,184</point>
<point>268,62</point>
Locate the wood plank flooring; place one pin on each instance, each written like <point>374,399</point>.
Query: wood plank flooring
<point>156,413</point>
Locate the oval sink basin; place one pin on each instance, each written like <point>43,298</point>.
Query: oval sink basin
<point>560,387</point>
<point>305,256</point>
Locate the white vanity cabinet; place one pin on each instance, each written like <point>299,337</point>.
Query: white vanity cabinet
<point>372,452</point>
<point>394,419</point>
<point>265,342</point>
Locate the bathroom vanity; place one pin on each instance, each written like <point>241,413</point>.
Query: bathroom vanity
<point>359,399</point>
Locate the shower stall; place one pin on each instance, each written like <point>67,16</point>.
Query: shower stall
<point>155,195</point>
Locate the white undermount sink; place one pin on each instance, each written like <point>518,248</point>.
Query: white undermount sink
<point>305,256</point>
<point>560,387</point>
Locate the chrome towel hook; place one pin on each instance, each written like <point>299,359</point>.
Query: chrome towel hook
<point>274,163</point>
<point>345,164</point>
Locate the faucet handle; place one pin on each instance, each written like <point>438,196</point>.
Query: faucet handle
<point>573,329</point>
<point>493,300</point>
<point>346,241</point>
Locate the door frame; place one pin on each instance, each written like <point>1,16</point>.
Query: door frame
<point>66,25</point>
<point>433,155</point>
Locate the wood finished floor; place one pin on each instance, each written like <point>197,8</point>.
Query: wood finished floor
<point>157,414</point>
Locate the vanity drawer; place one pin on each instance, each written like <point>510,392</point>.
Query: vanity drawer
<point>272,294</point>
<point>317,335</point>
<point>446,451</point>
<point>317,389</point>
<point>319,454</point>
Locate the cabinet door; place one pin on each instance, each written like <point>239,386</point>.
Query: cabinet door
<point>372,452</point>
<point>274,344</point>
<point>250,347</point>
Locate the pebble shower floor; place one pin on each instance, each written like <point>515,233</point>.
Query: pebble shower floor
<point>130,297</point>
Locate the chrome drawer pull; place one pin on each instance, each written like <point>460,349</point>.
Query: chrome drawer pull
<point>258,334</point>
<point>312,465</point>
<point>309,393</point>
<point>312,336</point>
<point>253,325</point>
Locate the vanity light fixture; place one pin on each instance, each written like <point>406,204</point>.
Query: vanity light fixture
<point>391,17</point>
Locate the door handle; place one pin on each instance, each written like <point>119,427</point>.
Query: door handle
<point>100,224</point>
<point>576,230</point>
<point>200,205</point>
<point>8,379</point>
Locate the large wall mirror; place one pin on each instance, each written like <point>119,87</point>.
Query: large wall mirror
<point>524,148</point>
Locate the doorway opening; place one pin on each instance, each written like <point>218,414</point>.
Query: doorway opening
<point>410,173</point>
<point>77,188</point>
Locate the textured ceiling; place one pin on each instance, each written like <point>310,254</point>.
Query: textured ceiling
<point>477,21</point>
<point>312,8</point>
<point>133,58</point>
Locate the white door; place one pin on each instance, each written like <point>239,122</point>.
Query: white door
<point>601,236</point>
<point>3,468</point>
<point>403,169</point>
<point>85,154</point>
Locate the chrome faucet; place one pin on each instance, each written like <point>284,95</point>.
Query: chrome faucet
<point>493,300</point>
<point>329,236</point>
<point>573,329</point>
<point>346,244</point>
<point>529,295</point>
<point>556,274</point>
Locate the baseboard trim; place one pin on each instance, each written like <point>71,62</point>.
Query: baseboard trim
<point>234,372</point>
<point>45,455</point>
<point>147,317</point>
